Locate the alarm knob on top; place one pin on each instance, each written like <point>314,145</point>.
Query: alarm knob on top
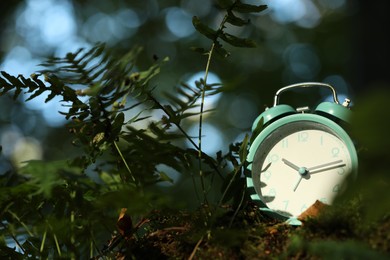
<point>335,111</point>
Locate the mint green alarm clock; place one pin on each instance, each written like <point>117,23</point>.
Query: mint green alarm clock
<point>300,156</point>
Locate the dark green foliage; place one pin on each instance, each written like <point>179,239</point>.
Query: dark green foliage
<point>55,207</point>
<point>56,210</point>
<point>230,8</point>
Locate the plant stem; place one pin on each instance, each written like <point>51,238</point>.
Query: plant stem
<point>43,241</point>
<point>195,248</point>
<point>238,207</point>
<point>125,163</point>
<point>14,238</point>
<point>22,223</point>
<point>230,184</point>
<point>210,54</point>
<point>201,123</point>
<point>215,167</point>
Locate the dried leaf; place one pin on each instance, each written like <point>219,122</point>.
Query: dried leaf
<point>313,211</point>
<point>124,223</point>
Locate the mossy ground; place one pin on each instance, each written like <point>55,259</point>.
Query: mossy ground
<point>174,234</point>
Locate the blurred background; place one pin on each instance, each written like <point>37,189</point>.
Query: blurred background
<point>341,42</point>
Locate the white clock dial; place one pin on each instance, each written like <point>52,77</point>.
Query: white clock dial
<point>295,166</point>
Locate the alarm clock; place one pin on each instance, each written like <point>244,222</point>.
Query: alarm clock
<point>300,155</point>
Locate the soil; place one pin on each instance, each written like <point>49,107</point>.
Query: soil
<point>174,234</point>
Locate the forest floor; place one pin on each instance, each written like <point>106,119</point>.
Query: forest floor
<point>338,233</point>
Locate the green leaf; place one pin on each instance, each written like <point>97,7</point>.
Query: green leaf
<point>50,96</point>
<point>28,83</point>
<point>247,8</point>
<point>221,51</point>
<point>204,29</point>
<point>117,124</point>
<point>5,86</point>
<point>232,186</point>
<point>234,20</point>
<point>13,80</point>
<point>172,114</point>
<point>259,127</point>
<point>145,76</point>
<point>45,175</point>
<point>243,152</point>
<point>237,42</point>
<point>165,177</point>
<point>18,85</point>
<point>199,50</point>
<point>224,4</point>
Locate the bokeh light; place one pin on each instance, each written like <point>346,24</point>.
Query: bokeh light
<point>287,51</point>
<point>212,138</point>
<point>242,111</point>
<point>302,12</point>
<point>302,63</point>
<point>179,22</point>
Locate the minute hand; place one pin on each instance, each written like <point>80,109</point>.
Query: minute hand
<point>326,166</point>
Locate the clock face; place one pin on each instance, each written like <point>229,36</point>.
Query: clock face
<point>299,163</point>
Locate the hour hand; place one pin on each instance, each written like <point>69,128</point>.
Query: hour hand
<point>295,167</point>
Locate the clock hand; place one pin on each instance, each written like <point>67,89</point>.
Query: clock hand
<point>328,168</point>
<point>324,165</point>
<point>290,164</point>
<point>299,181</point>
<point>303,171</point>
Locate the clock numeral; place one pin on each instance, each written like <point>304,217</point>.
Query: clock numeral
<point>322,140</point>
<point>335,151</point>
<point>285,202</point>
<point>273,158</point>
<point>285,143</point>
<point>303,136</point>
<point>336,188</point>
<point>266,175</point>
<point>341,171</point>
<point>272,192</point>
<point>304,207</point>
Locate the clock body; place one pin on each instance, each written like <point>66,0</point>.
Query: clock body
<point>297,160</point>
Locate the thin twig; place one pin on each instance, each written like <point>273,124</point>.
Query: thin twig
<point>43,241</point>
<point>230,183</point>
<point>176,124</point>
<point>168,229</point>
<point>125,163</point>
<point>21,222</point>
<point>201,123</point>
<point>14,238</point>
<point>195,249</point>
<point>210,54</point>
<point>238,207</point>
<point>215,167</point>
